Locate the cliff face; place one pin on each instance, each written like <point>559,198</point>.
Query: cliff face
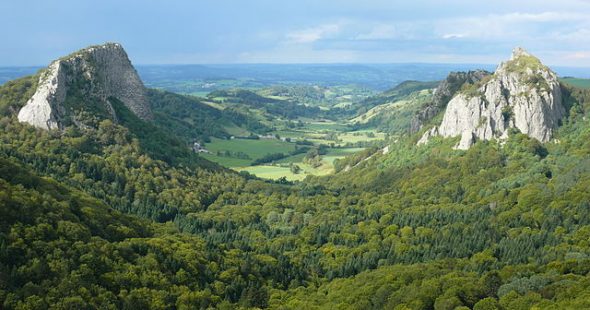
<point>83,84</point>
<point>522,93</point>
<point>443,93</point>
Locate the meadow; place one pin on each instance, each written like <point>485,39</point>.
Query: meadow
<point>239,154</point>
<point>253,148</point>
<point>281,168</point>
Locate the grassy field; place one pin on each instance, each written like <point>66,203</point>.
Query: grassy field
<point>359,136</point>
<point>235,130</point>
<point>273,172</point>
<point>281,168</point>
<point>253,148</point>
<point>325,125</point>
<point>227,161</point>
<point>339,153</point>
<point>278,171</point>
<point>291,159</point>
<point>257,148</point>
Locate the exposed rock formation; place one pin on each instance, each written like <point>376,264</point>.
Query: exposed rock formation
<point>443,93</point>
<point>522,93</point>
<point>86,81</point>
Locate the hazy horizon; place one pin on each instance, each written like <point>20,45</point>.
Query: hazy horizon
<point>371,75</point>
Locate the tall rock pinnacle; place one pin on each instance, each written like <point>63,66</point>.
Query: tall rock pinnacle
<point>522,93</point>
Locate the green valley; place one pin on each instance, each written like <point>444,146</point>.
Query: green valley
<point>281,137</point>
<point>229,191</point>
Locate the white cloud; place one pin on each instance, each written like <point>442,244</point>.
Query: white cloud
<point>453,36</point>
<point>555,36</point>
<point>540,17</point>
<point>310,35</point>
<point>581,35</point>
<point>579,55</point>
<point>379,32</point>
<point>506,26</point>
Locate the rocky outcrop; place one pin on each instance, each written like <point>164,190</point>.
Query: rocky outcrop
<point>445,90</point>
<point>522,94</point>
<point>83,83</point>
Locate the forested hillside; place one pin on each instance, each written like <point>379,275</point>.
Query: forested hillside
<point>123,215</point>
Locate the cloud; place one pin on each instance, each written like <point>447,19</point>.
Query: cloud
<point>578,36</point>
<point>485,37</point>
<point>540,17</point>
<point>579,55</point>
<point>379,32</point>
<point>310,35</point>
<point>507,26</point>
<point>493,28</point>
<point>453,36</point>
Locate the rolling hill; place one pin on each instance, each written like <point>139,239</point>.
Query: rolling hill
<point>115,210</point>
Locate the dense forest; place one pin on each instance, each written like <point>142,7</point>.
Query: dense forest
<point>122,215</point>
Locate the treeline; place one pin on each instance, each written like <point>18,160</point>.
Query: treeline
<point>271,157</point>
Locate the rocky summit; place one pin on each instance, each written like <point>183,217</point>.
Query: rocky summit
<point>83,86</point>
<point>445,90</point>
<point>522,94</point>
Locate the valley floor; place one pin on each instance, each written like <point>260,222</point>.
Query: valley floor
<point>241,154</point>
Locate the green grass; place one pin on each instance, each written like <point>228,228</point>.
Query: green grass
<point>274,172</point>
<point>360,135</point>
<point>290,133</point>
<point>317,135</point>
<point>335,153</point>
<point>366,117</point>
<point>280,168</point>
<point>344,151</point>
<point>227,161</point>
<point>292,159</point>
<point>253,148</point>
<point>327,125</point>
<point>338,153</point>
<point>278,171</point>
<point>234,130</point>
<point>313,130</point>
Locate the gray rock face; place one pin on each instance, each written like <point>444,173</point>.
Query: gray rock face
<point>522,94</point>
<point>443,93</point>
<point>97,74</point>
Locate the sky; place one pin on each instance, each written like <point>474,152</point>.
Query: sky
<point>34,32</point>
